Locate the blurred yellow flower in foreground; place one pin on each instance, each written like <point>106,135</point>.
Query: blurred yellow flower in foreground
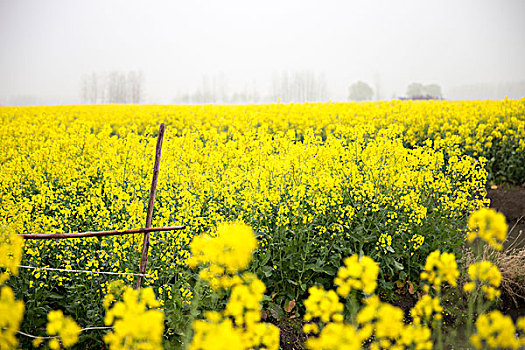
<point>488,275</point>
<point>357,273</point>
<point>495,330</point>
<point>136,322</point>
<point>63,326</point>
<point>227,253</point>
<point>440,268</point>
<point>11,314</point>
<point>488,225</point>
<point>11,249</point>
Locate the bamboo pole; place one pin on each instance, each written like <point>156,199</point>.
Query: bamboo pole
<point>99,233</point>
<point>151,203</point>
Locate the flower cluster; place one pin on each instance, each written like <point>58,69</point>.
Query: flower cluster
<point>488,225</point>
<point>244,305</point>
<point>416,337</point>
<point>381,320</point>
<point>136,322</point>
<point>335,336</point>
<point>216,333</point>
<point>495,330</point>
<point>11,310</point>
<point>379,324</point>
<point>11,315</point>
<point>63,326</point>
<point>357,274</point>
<point>239,325</point>
<point>426,309</point>
<point>324,305</point>
<point>488,275</point>
<point>11,249</point>
<point>223,255</point>
<point>440,268</point>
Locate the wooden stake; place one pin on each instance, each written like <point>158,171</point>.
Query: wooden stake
<point>145,244</point>
<point>99,233</point>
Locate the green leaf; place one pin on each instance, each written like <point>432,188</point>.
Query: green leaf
<point>276,311</point>
<point>267,271</point>
<point>398,265</point>
<point>265,258</point>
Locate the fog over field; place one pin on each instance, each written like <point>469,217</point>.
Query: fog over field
<point>232,51</point>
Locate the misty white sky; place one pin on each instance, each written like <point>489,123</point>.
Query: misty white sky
<point>46,46</point>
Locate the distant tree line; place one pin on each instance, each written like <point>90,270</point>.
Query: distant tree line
<point>361,91</point>
<point>418,91</point>
<point>299,86</point>
<point>113,87</point>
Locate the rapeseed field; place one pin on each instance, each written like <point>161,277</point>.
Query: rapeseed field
<point>316,183</point>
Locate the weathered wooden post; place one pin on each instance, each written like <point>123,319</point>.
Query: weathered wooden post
<point>151,203</point>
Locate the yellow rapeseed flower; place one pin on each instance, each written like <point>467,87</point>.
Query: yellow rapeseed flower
<point>488,275</point>
<point>495,330</point>
<point>488,225</point>
<point>416,337</point>
<point>136,322</point>
<point>11,315</point>
<point>426,309</point>
<point>520,325</point>
<point>241,318</point>
<point>334,336</point>
<point>324,305</point>
<point>357,274</point>
<point>11,249</point>
<point>228,252</point>
<point>216,336</point>
<point>245,301</point>
<point>440,268</point>
<point>63,326</point>
<point>380,320</point>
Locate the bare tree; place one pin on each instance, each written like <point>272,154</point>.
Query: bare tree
<point>134,86</point>
<point>91,89</point>
<point>84,89</point>
<point>114,87</point>
<point>377,86</point>
<point>299,86</point>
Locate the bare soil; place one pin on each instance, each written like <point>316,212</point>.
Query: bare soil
<point>510,200</point>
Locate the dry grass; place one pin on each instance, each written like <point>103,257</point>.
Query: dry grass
<point>511,263</point>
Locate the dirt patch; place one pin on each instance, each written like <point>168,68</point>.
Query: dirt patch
<point>291,336</point>
<point>510,200</point>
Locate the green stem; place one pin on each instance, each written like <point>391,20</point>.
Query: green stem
<point>439,327</point>
<point>470,315</point>
<point>193,313</point>
<point>474,294</point>
<point>353,307</point>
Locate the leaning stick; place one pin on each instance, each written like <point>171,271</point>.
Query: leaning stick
<point>100,233</point>
<point>145,244</point>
